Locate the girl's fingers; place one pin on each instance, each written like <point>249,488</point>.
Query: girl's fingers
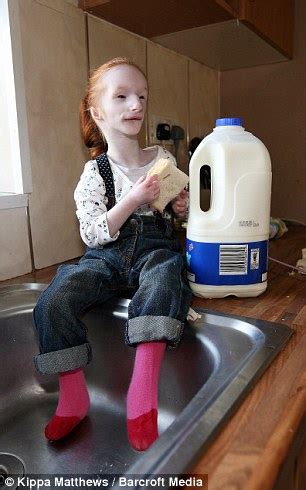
<point>182,194</point>
<point>155,187</point>
<point>152,179</point>
<point>180,206</point>
<point>180,203</point>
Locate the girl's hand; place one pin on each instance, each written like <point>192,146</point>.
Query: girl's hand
<point>179,204</point>
<point>145,190</point>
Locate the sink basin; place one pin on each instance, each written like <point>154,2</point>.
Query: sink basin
<point>202,382</point>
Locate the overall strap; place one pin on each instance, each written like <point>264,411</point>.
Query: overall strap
<point>107,175</point>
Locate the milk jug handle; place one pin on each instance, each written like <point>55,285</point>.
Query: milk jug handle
<point>194,187</point>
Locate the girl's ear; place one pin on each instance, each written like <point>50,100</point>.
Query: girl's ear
<point>95,113</point>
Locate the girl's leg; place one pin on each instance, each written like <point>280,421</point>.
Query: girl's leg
<point>64,348</point>
<point>142,398</point>
<point>72,406</point>
<point>156,317</point>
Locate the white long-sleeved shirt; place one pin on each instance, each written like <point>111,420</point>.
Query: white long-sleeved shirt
<point>91,200</point>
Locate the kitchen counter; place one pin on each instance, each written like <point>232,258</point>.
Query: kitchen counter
<point>249,451</point>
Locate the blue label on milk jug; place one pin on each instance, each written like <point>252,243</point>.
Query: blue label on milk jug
<point>221,264</point>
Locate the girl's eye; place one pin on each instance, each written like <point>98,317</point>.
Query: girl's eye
<point>142,97</point>
<point>121,96</point>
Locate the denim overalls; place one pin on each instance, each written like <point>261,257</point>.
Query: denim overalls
<point>146,261</point>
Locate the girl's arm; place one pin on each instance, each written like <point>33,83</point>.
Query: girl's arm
<point>97,225</point>
<point>144,191</point>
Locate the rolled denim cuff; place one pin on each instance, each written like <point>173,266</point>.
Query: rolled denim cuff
<point>63,360</point>
<point>153,328</point>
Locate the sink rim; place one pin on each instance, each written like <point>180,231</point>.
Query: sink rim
<point>192,431</point>
<point>192,439</point>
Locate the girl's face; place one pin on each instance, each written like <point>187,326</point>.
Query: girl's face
<point>122,102</point>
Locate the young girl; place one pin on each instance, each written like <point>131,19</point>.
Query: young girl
<point>130,247</point>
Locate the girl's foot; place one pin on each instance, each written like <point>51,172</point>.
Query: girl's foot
<point>143,394</point>
<point>72,406</point>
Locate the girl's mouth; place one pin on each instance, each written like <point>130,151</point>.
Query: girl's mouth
<point>134,119</point>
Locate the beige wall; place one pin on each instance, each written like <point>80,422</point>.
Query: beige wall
<point>204,99</point>
<point>55,70</point>
<point>169,76</point>
<point>53,34</point>
<point>15,257</point>
<point>168,92</point>
<point>272,101</point>
<point>106,41</point>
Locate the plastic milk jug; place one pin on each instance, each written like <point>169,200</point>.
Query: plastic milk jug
<point>227,245</point>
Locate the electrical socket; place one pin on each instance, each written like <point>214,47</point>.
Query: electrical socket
<point>154,120</point>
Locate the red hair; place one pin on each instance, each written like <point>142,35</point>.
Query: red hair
<point>92,136</point>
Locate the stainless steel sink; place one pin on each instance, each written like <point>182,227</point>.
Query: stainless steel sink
<point>202,382</point>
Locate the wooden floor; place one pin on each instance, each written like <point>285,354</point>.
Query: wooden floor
<point>40,276</point>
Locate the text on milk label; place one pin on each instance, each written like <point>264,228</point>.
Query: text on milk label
<point>248,223</point>
<point>218,264</point>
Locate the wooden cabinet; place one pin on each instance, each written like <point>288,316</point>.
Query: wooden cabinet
<point>292,475</point>
<point>158,17</point>
<point>264,31</point>
<point>300,468</point>
<point>272,20</point>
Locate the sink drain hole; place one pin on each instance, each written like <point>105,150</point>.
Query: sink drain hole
<point>10,466</point>
<point>3,475</point>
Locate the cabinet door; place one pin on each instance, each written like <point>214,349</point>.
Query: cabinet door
<point>292,475</point>
<point>272,20</point>
<point>300,475</point>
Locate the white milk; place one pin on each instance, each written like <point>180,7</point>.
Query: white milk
<point>227,245</point>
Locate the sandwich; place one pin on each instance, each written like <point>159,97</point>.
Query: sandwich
<point>172,182</point>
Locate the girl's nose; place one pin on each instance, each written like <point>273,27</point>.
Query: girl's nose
<point>135,103</point>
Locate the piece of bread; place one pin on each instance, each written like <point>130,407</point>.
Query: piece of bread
<point>172,181</point>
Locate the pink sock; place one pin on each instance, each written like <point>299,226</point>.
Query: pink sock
<point>143,394</point>
<point>72,406</point>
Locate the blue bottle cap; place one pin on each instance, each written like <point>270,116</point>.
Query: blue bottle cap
<point>229,121</point>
